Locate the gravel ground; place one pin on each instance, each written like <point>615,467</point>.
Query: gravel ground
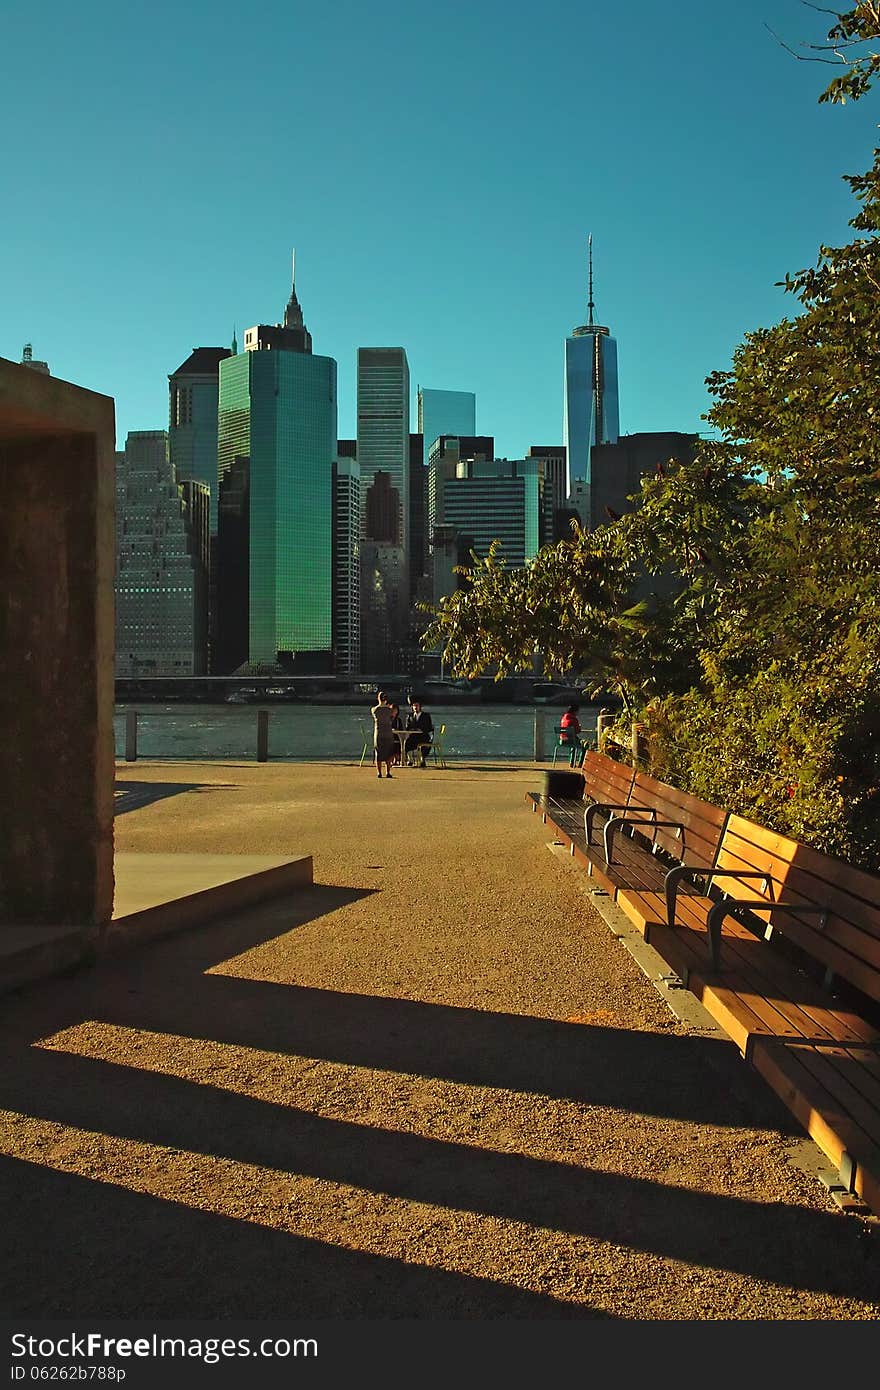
<point>431,1086</point>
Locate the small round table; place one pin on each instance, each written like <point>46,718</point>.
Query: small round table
<point>402,735</point>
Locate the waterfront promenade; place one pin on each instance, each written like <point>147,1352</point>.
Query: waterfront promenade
<point>432,1085</point>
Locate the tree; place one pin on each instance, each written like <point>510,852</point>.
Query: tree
<point>736,609</point>
<point>845,47</point>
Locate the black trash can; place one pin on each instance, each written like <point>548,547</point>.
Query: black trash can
<point>562,786</point>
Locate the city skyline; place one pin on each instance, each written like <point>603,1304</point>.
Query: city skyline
<point>714,174</point>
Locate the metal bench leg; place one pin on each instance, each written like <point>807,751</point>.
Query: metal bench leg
<point>713,923</point>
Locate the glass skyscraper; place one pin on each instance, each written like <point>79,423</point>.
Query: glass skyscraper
<point>193,392</point>
<point>591,412</point>
<point>445,412</point>
<point>276,451</point>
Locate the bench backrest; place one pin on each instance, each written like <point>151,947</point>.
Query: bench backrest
<point>606,780</point>
<point>847,940</point>
<point>701,824</point>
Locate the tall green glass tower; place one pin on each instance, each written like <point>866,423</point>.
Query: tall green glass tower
<point>276,450</point>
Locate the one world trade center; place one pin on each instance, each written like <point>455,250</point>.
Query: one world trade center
<point>591,407</point>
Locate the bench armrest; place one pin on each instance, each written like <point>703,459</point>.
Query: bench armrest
<point>727,906</point>
<point>690,871</point>
<point>614,824</point>
<point>594,810</point>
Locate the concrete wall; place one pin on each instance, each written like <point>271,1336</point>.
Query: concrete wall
<point>57,468</point>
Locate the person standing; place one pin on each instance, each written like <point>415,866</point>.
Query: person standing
<point>384,741</point>
<point>420,721</point>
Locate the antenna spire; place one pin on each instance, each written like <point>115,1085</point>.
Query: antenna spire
<point>590,305</point>
<point>293,268</point>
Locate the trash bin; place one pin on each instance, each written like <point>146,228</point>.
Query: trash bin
<point>562,786</point>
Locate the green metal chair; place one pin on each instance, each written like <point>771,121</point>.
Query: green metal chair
<point>437,747</point>
<point>573,751</point>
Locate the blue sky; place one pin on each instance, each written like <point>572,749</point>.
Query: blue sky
<point>437,168</point>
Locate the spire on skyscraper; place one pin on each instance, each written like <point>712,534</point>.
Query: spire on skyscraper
<point>590,305</point>
<point>293,316</point>
<point>234,342</point>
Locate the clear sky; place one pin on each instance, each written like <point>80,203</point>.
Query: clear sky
<point>437,167</point>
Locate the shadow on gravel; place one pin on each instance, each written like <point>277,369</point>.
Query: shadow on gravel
<point>130,796</point>
<point>74,1237</point>
<point>792,1246</point>
<point>484,767</point>
<point>92,1249</point>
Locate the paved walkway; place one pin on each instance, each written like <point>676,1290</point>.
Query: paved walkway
<point>431,1086</point>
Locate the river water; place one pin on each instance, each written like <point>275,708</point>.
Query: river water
<point>305,732</point>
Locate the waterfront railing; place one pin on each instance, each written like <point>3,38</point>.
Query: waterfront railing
<point>318,733</point>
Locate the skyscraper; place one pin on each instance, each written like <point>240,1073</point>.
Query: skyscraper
<point>346,565</point>
<point>618,469</point>
<point>418,520</point>
<point>556,489</point>
<point>276,450</point>
<point>383,447</point>
<point>161,569</point>
<point>445,412</point>
<point>383,423</point>
<point>193,395</point>
<point>591,413</point>
<point>475,499</point>
<point>445,455</point>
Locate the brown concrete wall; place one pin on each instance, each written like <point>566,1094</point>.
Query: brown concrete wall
<point>57,550</point>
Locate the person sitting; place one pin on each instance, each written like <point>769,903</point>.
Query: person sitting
<point>420,721</point>
<point>570,735</point>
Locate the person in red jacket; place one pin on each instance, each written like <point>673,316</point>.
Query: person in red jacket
<point>570,734</point>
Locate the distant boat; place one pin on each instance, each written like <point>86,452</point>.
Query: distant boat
<point>450,692</point>
<point>245,696</point>
<point>553,693</point>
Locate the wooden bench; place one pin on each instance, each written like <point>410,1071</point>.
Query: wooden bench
<point>628,828</point>
<point>606,788</point>
<point>675,827</point>
<point>764,935</point>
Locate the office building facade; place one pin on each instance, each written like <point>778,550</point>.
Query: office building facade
<point>618,469</point>
<point>161,563</point>
<point>383,454</point>
<point>555,471</point>
<point>193,398</point>
<point>418,522</point>
<point>445,454</point>
<point>444,412</point>
<point>346,565</point>
<point>479,500</point>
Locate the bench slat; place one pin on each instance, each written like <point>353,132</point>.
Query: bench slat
<point>815,1105</point>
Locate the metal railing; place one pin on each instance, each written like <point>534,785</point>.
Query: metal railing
<point>544,735</point>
